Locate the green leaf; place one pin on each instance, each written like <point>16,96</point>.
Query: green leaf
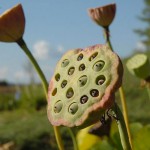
<point>141,140</point>
<point>86,140</point>
<point>103,145</point>
<point>135,127</point>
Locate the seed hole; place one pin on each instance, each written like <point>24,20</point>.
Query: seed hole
<point>71,70</point>
<point>98,65</point>
<point>81,67</point>
<point>54,92</point>
<point>83,99</point>
<point>64,83</point>
<point>69,93</point>
<point>93,56</point>
<point>58,106</point>
<point>82,81</point>
<point>73,108</point>
<point>94,92</point>
<point>100,80</point>
<point>80,57</point>
<point>57,77</point>
<point>65,63</point>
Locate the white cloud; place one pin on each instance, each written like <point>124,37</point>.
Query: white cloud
<point>20,75</point>
<point>60,49</point>
<point>140,46</point>
<point>3,73</point>
<point>41,50</point>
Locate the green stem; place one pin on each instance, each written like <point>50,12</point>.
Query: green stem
<point>122,96</point>
<point>148,91</point>
<point>75,145</point>
<point>122,128</point>
<point>24,47</point>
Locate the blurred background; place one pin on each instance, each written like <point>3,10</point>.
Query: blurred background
<point>52,28</point>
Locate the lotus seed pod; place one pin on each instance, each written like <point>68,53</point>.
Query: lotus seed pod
<point>83,86</point>
<point>12,24</point>
<point>139,66</point>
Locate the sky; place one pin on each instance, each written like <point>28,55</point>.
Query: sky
<point>56,26</point>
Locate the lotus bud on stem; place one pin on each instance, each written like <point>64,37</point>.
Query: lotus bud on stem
<point>104,16</point>
<point>12,26</point>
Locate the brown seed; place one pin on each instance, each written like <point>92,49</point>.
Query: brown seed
<point>80,57</point>
<point>101,81</point>
<point>64,83</point>
<point>94,92</point>
<point>84,99</point>
<point>71,71</point>
<point>82,67</point>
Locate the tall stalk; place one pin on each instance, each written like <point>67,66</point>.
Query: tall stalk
<point>24,47</point>
<point>122,96</point>
<point>122,128</point>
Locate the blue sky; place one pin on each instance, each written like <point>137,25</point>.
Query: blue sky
<point>55,26</point>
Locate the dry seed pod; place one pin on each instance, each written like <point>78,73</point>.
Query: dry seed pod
<point>103,15</point>
<point>87,92</point>
<point>12,24</point>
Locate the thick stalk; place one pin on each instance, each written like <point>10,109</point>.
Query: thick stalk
<point>122,128</point>
<point>75,145</point>
<point>122,97</point>
<point>125,113</point>
<point>24,47</point>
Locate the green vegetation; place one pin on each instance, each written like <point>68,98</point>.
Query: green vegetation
<point>26,123</point>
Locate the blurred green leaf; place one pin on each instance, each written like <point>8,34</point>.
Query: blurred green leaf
<point>141,140</point>
<point>135,127</point>
<point>103,145</point>
<point>86,140</point>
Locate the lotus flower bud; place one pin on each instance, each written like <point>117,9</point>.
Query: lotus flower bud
<point>12,24</point>
<point>83,86</point>
<point>104,15</point>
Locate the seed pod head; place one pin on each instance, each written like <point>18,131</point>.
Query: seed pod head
<point>12,24</point>
<point>139,66</point>
<point>86,86</point>
<point>104,15</point>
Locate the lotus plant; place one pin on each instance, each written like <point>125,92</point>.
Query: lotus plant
<point>85,80</point>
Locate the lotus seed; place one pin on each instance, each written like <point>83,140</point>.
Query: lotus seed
<point>94,93</point>
<point>84,99</point>
<point>100,80</point>
<point>69,93</point>
<point>93,56</point>
<point>81,67</point>
<point>64,83</point>
<point>54,92</point>
<point>98,65</point>
<point>80,57</point>
<point>71,71</point>
<point>82,81</point>
<point>65,63</point>
<point>73,108</point>
<point>57,77</point>
<point>58,106</point>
